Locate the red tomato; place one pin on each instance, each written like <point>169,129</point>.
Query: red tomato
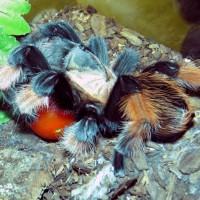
<point>51,122</point>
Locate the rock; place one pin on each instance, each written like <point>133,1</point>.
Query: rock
<point>43,14</point>
<point>190,161</point>
<point>25,162</point>
<point>175,170</point>
<point>176,188</point>
<point>153,145</point>
<point>154,46</point>
<point>129,35</point>
<point>156,191</point>
<point>180,190</point>
<point>79,27</point>
<point>140,160</point>
<point>190,197</point>
<point>98,25</point>
<point>195,178</point>
<point>157,55</point>
<point>98,186</point>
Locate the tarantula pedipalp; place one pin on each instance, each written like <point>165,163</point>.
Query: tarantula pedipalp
<point>52,66</point>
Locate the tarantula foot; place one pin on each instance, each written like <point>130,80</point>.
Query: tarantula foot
<point>98,47</point>
<point>61,29</point>
<point>168,68</point>
<point>118,162</point>
<point>126,62</point>
<point>80,138</point>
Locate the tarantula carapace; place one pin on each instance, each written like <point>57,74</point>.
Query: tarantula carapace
<point>52,66</point>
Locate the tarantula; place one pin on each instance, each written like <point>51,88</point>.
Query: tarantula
<point>53,66</point>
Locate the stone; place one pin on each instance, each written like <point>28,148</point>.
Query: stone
<point>195,178</point>
<point>175,170</point>
<point>156,191</point>
<point>129,35</point>
<point>190,161</point>
<point>98,25</point>
<point>140,160</point>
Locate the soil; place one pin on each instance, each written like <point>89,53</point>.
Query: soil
<point>31,168</point>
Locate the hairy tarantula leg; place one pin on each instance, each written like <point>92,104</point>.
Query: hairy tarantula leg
<point>113,115</point>
<point>131,139</point>
<point>9,95</point>
<point>81,137</point>
<point>23,59</point>
<point>54,84</point>
<point>186,76</point>
<point>125,85</point>
<point>118,163</point>
<point>9,76</point>
<point>189,78</point>
<point>98,47</point>
<point>29,58</point>
<point>61,29</point>
<point>126,62</point>
<point>161,109</point>
<point>27,101</point>
<point>170,69</point>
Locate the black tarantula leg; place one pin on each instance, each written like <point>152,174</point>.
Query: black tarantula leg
<point>118,163</point>
<point>98,47</point>
<point>126,62</point>
<point>28,57</point>
<point>54,84</point>
<point>170,69</point>
<point>81,138</point>
<point>186,76</point>
<point>114,116</point>
<point>112,112</point>
<point>61,29</point>
<point>25,59</point>
<point>44,87</point>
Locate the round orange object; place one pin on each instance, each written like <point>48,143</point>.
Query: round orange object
<point>51,122</point>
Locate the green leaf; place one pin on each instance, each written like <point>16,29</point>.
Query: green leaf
<point>4,117</point>
<point>15,6</point>
<point>7,43</point>
<point>13,24</point>
<point>3,57</point>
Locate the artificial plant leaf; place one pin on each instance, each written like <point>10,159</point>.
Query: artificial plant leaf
<point>15,6</point>
<point>3,57</point>
<point>4,117</point>
<point>13,24</point>
<point>7,43</point>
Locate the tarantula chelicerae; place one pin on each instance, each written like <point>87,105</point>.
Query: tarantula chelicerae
<point>53,66</point>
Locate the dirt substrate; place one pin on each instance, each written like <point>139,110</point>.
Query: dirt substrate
<point>31,168</point>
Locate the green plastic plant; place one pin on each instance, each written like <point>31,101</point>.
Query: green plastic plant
<point>11,24</point>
